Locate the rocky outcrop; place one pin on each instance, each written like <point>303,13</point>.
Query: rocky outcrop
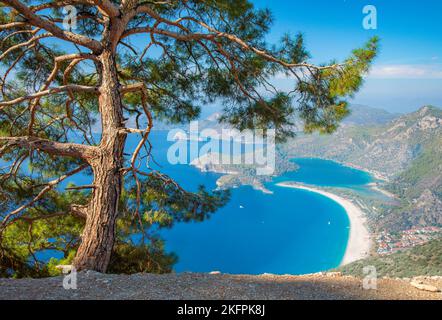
<point>420,285</point>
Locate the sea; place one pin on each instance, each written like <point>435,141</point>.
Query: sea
<point>289,231</point>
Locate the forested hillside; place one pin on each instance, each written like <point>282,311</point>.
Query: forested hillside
<point>406,150</point>
<point>419,261</point>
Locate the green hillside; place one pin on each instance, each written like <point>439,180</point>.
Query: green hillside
<point>418,261</point>
<point>407,150</point>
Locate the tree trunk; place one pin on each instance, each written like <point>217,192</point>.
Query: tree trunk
<point>99,233</point>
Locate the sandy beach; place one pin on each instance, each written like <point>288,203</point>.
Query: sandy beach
<point>359,240</point>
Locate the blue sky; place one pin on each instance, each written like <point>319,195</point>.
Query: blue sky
<point>408,72</point>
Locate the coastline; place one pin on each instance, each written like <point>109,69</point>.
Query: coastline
<point>375,187</point>
<point>376,174</point>
<point>358,246</point>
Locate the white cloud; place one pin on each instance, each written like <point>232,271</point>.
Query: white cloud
<point>390,71</point>
<point>407,71</point>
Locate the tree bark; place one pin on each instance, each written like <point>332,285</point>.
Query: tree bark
<point>99,233</point>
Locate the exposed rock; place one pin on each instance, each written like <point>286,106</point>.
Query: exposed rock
<point>333,274</point>
<point>424,287</point>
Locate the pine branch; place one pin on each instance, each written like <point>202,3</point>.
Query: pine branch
<point>39,22</point>
<point>49,186</point>
<point>73,150</point>
<point>70,87</point>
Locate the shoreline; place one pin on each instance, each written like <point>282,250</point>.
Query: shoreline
<point>375,174</point>
<point>358,246</point>
<point>375,187</point>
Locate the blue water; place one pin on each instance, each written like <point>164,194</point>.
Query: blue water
<point>325,173</point>
<point>288,232</point>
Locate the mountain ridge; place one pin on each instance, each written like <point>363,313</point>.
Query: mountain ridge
<point>407,150</point>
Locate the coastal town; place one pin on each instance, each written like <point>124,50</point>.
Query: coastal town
<point>388,243</point>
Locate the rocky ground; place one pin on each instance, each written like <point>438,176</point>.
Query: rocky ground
<point>330,286</point>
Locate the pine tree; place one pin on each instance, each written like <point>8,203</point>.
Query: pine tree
<point>62,79</point>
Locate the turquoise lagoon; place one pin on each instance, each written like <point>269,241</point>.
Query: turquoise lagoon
<point>287,232</point>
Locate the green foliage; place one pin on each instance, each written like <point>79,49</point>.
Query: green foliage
<point>130,259</point>
<point>425,168</point>
<point>425,260</point>
<point>321,105</point>
<point>138,247</point>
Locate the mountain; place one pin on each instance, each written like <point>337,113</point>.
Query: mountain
<point>360,115</point>
<point>406,151</point>
<point>389,148</point>
<point>365,115</point>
